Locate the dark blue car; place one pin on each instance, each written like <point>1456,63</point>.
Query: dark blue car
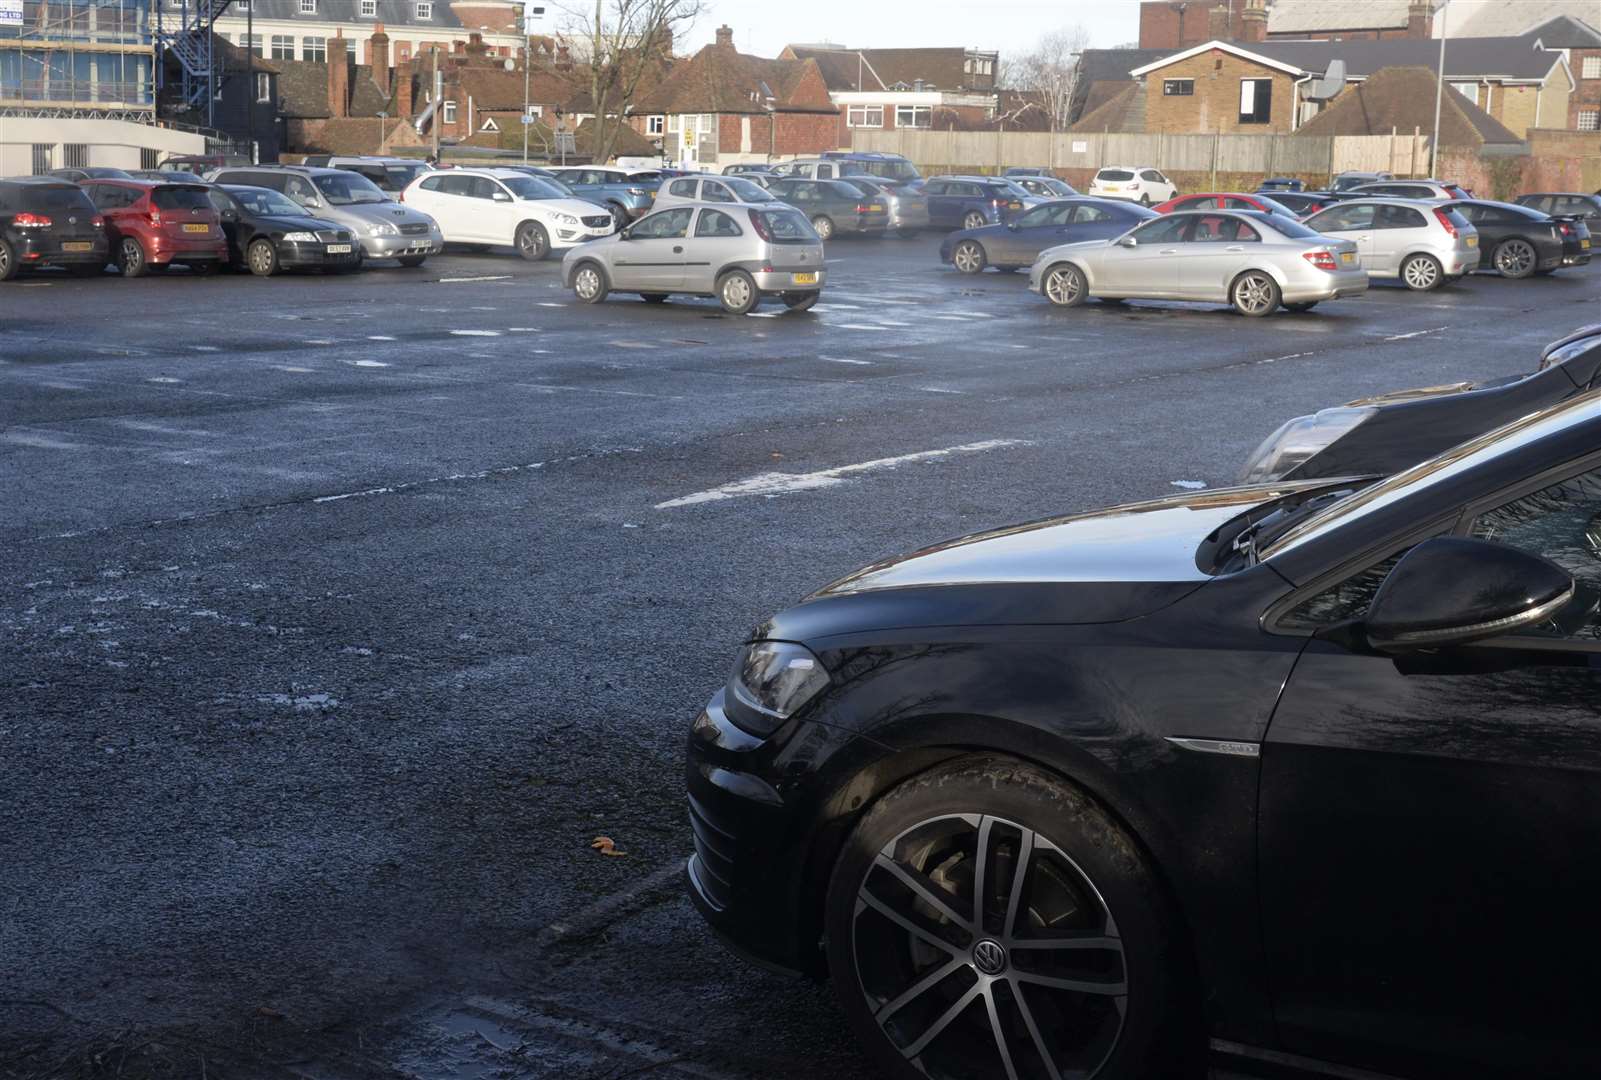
<point>967,202</point>
<point>1061,221</point>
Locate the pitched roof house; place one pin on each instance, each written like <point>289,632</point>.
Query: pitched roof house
<point>1402,99</point>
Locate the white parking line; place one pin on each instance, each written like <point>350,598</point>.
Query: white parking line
<point>843,360</point>
<point>475,333</point>
<point>1413,334</point>
<point>858,326</point>
<point>380,337</point>
<point>482,277</point>
<point>523,329</point>
<point>366,363</point>
<point>772,484</point>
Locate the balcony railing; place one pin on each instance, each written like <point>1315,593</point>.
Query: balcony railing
<point>65,92</point>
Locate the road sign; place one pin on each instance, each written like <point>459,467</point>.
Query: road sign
<point>566,143</point>
<point>528,118</point>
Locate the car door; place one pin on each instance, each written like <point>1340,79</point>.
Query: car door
<point>1349,221</point>
<point>1152,266</point>
<point>1219,247</point>
<point>939,198</point>
<point>1157,185</point>
<point>236,223</point>
<point>493,212</point>
<point>1397,230</point>
<point>718,240</point>
<point>1034,230</point>
<point>1429,823</point>
<point>652,257</point>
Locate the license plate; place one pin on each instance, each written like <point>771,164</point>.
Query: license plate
<point>1473,241</point>
<point>418,247</point>
<point>339,249</point>
<point>1346,257</point>
<point>1584,244</point>
<point>804,279</point>
<point>197,228</point>
<point>84,245</point>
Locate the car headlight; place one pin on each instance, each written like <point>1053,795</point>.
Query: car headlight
<point>772,680</point>
<point>300,238</point>
<point>566,219</point>
<point>1293,444</point>
<point>382,228</point>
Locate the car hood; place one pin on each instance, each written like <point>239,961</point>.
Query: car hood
<point>1077,245</point>
<point>301,223</point>
<point>392,212</point>
<point>1106,566</point>
<point>580,208</point>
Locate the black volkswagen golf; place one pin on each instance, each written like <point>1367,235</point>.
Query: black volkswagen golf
<point>1309,773</point>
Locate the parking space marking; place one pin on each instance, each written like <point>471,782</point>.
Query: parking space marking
<point>845,360</point>
<point>480,277</point>
<point>770,485</point>
<point>858,326</point>
<point>1413,334</point>
<point>475,333</point>
<point>381,337</point>
<point>366,363</point>
<point>522,329</point>
<point>294,370</point>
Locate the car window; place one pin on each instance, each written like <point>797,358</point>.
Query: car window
<point>532,187</point>
<point>1221,228</point>
<point>785,226</point>
<point>1348,218</point>
<point>1562,523</point>
<point>1084,214</point>
<point>220,202</point>
<point>299,188</point>
<point>348,189</point>
<point>712,191</point>
<point>266,203</point>
<point>1398,217</point>
<point>51,197</point>
<point>1114,175</point>
<point>483,188</point>
<point>433,183</point>
<point>1350,599</point>
<point>1164,230</point>
<point>1153,176</point>
<point>107,197</point>
<point>747,191</point>
<point>716,223</point>
<point>276,181</point>
<point>1291,228</point>
<point>934,187</point>
<point>683,189</point>
<point>180,198</point>
<point>667,225</point>
<point>1040,215</point>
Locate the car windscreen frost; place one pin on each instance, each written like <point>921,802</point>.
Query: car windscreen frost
<point>349,189</point>
<point>56,198</point>
<point>180,198</point>
<point>531,187</point>
<point>787,226</point>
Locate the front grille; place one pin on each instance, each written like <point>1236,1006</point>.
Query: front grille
<point>597,220</point>
<point>419,228</point>
<point>333,236</point>
<point>714,854</point>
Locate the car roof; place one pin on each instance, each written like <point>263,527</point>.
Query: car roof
<point>1397,200</point>
<point>1103,168</point>
<point>39,181</point>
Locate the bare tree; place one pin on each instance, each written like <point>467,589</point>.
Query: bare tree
<point>616,45</point>
<point>1051,70</point>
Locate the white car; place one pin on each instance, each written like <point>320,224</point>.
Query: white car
<point>506,206</point>
<point>1137,183</point>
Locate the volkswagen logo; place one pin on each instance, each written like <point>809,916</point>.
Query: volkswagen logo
<point>72,221</point>
<point>989,957</point>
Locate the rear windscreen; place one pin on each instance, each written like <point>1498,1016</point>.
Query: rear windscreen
<point>1114,174</point>
<point>180,198</point>
<point>1292,228</point>
<point>64,197</point>
<point>787,226</point>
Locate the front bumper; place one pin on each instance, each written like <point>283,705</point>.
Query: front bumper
<point>566,236</point>
<point>390,247</point>
<point>784,281</point>
<point>302,255</point>
<point>46,251</point>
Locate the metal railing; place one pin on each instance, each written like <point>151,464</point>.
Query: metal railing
<point>78,92</point>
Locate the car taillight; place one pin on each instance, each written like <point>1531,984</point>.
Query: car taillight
<point>1445,220</point>
<point>864,208</point>
<point>97,221</point>
<point>401,196</point>
<point>27,220</point>
<point>1014,205</point>
<point>1563,228</point>
<point>760,226</point>
<point>155,217</point>
<point>1323,260</point>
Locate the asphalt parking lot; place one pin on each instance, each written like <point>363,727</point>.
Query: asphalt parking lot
<point>341,614</point>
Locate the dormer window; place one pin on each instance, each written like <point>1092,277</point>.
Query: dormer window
<point>369,8</point>
<point>425,11</point>
<point>308,7</point>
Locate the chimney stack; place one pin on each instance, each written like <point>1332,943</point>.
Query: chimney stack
<point>1217,23</point>
<point>1420,19</point>
<point>378,47</point>
<point>338,75</point>
<point>725,36</point>
<point>401,94</point>
<point>1253,21</point>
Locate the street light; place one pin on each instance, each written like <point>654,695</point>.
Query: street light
<point>1439,92</point>
<point>382,116</point>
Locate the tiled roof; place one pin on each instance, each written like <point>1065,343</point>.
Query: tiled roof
<point>1467,58</point>
<point>1402,98</point>
<point>353,135</point>
<point>843,69</point>
<point>939,69</point>
<point>1311,16</point>
<point>392,13</point>
<point>1123,112</point>
<point>1114,65</point>
<point>303,89</point>
<point>718,79</point>
<point>1566,32</point>
<point>1495,18</point>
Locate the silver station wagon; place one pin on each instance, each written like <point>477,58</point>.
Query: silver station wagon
<point>738,254</point>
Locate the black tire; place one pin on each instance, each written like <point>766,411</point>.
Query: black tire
<point>590,289</point>
<point>737,292</point>
<point>1422,273</point>
<point>974,220</point>
<point>1255,294</point>
<point>1065,285</point>
<point>823,226</point>
<point>532,241</point>
<point>799,301</point>
<point>131,259</point>
<point>1515,258</point>
<point>969,257</point>
<point>1145,200</point>
<point>1304,305</point>
<point>1112,301</point>
<point>262,257</point>
<point>8,261</point>
<point>1128,1014</point>
<point>654,297</point>
<point>413,260</point>
<point>619,215</point>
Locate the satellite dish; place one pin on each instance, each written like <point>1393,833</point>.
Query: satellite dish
<point>1332,82</point>
<point>510,64</point>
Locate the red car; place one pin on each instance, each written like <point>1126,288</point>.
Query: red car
<point>152,224</point>
<point>1228,200</point>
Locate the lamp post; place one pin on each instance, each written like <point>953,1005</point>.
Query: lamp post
<point>1439,93</point>
<point>525,96</point>
<point>382,116</point>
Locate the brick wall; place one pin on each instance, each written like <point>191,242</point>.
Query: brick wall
<point>1514,106</point>
<point>795,134</point>
<point>1215,105</point>
<point>1587,92</point>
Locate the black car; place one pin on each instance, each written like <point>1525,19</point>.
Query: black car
<point>45,221</point>
<point>1306,772</point>
<point>1303,203</point>
<point>1390,432</point>
<point>1518,241</point>
<point>1565,204</point>
<point>1019,242</point>
<point>268,232</point>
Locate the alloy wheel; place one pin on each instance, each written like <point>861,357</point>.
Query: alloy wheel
<point>1064,286</point>
<point>823,227</point>
<point>1515,258</point>
<point>1253,294</point>
<point>974,220</point>
<point>532,243</point>
<point>5,261</point>
<point>133,257</point>
<point>984,950</point>
<point>968,257</point>
<point>1421,272</point>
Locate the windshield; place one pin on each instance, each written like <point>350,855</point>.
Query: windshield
<point>1452,463</point>
<point>747,191</point>
<point>348,189</point>
<point>1051,183</point>
<point>785,226</point>
<point>890,170</point>
<point>401,175</point>
<point>1292,228</point>
<point>266,203</point>
<point>532,187</point>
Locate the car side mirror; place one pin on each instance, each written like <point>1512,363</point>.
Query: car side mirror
<point>625,234</point>
<point>500,196</point>
<point>229,215</point>
<point>1012,225</point>
<point>1128,242</point>
<point>1453,590</point>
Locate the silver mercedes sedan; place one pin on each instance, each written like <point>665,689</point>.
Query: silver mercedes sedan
<point>1251,260</point>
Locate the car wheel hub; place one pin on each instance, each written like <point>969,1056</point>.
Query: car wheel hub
<point>967,258</point>
<point>1063,286</point>
<point>1515,257</point>
<point>1420,273</point>
<point>736,292</point>
<point>588,283</point>
<point>1253,293</point>
<point>981,945</point>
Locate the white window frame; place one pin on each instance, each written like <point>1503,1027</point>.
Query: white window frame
<point>906,116</point>
<point>673,123</point>
<point>423,11</point>
<point>1590,68</point>
<point>1170,88</point>
<point>706,123</point>
<point>308,7</point>
<point>450,112</point>
<point>655,125</point>
<point>1469,90</point>
<point>369,9</point>
<point>864,116</point>
<point>1589,120</point>
<point>285,42</point>
<point>263,87</point>
<point>314,48</point>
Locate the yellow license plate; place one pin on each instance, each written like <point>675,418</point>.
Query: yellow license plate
<point>197,228</point>
<point>77,245</point>
<point>804,279</point>
<point>1585,243</point>
<point>1473,241</point>
<point>1346,257</point>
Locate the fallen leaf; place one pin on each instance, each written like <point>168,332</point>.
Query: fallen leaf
<point>606,846</point>
<point>269,1013</point>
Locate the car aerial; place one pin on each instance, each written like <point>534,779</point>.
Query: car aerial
<point>268,232</point>
<point>626,199</point>
<point>908,206</point>
<point>970,202</point>
<point>1346,181</point>
<point>1517,241</point>
<point>391,174</point>
<point>386,229</point>
<point>1386,433</point>
<point>1254,768</point>
<point>1303,203</point>
<point>1019,242</point>
<point>1245,258</point>
<point>45,221</point>
<point>833,206</point>
<point>738,254</point>
<point>1565,204</point>
<point>1045,187</point>
<point>892,167</point>
<point>1137,183</point>
<point>1414,189</point>
<point>77,175</point>
<point>1231,200</point>
<point>506,206</point>
<point>1422,243</point>
<point>1282,183</point>
<point>151,225</point>
<point>713,189</point>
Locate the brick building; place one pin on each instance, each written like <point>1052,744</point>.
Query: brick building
<point>723,105</point>
<point>1180,24</point>
<point>882,89</point>
<point>1580,43</point>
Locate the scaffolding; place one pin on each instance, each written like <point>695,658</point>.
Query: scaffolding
<point>183,30</point>
<point>77,56</point>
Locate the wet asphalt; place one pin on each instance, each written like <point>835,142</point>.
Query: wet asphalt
<point>338,616</point>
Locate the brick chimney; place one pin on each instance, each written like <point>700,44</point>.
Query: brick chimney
<point>1217,23</point>
<point>1419,19</point>
<point>1253,21</point>
<point>338,75</point>
<point>475,44</point>
<point>378,47</point>
<point>400,97</point>
<point>564,58</point>
<point>725,36</point>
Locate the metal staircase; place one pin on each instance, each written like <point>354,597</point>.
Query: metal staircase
<point>183,29</point>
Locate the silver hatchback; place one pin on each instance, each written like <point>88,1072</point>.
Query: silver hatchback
<point>738,254</point>
<point>1423,243</point>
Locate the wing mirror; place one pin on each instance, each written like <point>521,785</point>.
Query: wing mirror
<point>1127,241</point>
<point>500,196</point>
<point>1012,225</point>
<point>1453,590</point>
